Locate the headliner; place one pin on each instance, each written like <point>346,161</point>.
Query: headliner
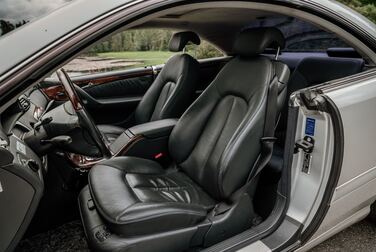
<point>216,25</point>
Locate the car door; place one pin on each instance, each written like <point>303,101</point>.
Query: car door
<point>114,95</point>
<point>333,176</point>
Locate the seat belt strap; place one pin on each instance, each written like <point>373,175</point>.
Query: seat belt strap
<point>268,140</point>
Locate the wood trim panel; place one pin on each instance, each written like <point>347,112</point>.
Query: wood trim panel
<point>106,79</point>
<point>56,93</point>
<point>86,163</point>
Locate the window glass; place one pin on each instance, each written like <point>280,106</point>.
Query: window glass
<point>301,36</point>
<point>133,49</point>
<point>16,13</point>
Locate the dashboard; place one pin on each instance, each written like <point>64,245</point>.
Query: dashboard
<point>21,168</point>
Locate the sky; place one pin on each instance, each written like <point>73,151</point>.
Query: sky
<point>15,11</point>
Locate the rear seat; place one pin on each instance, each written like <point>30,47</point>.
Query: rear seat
<point>315,70</point>
<point>309,72</point>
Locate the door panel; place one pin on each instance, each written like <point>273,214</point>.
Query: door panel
<point>130,87</point>
<point>117,99</point>
<point>112,96</point>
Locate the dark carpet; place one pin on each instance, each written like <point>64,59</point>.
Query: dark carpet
<point>68,237</point>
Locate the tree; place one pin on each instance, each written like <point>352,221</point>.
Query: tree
<point>364,7</point>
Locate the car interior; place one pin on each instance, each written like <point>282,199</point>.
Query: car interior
<point>164,158</point>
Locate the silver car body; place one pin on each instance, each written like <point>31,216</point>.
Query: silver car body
<point>355,98</point>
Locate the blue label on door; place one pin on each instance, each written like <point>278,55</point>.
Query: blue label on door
<point>310,127</point>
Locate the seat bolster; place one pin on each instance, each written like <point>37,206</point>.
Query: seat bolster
<point>149,218</point>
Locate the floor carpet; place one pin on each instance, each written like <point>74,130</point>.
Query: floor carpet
<point>68,237</point>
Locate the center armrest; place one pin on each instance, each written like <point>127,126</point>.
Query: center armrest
<point>144,140</point>
<point>154,129</point>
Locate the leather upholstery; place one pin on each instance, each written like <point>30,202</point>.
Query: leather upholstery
<point>225,126</point>
<point>254,41</point>
<point>137,196</point>
<point>180,39</point>
<point>213,146</point>
<point>316,70</point>
<point>172,91</point>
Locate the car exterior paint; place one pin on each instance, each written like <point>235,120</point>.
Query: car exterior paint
<point>353,194</point>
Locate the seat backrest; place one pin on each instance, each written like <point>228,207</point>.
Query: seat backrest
<point>174,88</point>
<point>217,140</point>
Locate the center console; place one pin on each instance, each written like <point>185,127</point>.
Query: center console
<point>149,141</point>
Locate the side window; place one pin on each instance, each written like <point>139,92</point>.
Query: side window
<point>300,35</point>
<point>204,51</point>
<point>133,49</point>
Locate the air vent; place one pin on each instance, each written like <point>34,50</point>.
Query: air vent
<point>24,103</point>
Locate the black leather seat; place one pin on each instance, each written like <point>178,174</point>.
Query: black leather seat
<point>134,204</point>
<point>315,70</point>
<point>172,91</point>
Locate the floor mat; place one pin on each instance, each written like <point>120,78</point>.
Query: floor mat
<point>68,237</point>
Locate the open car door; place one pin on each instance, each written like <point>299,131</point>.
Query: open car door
<point>333,173</point>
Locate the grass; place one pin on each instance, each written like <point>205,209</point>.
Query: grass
<point>146,58</point>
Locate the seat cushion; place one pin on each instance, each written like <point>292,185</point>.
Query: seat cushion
<point>137,197</point>
<point>110,132</point>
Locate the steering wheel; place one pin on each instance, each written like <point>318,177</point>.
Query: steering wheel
<point>84,118</point>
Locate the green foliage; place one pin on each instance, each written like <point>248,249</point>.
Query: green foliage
<point>6,26</point>
<point>139,58</point>
<point>145,40</point>
<point>364,7</point>
<point>135,40</point>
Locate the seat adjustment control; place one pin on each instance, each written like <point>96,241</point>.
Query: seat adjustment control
<point>33,165</point>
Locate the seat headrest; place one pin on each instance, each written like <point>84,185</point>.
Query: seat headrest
<point>180,39</point>
<point>254,41</point>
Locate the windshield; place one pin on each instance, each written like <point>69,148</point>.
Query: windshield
<point>15,13</point>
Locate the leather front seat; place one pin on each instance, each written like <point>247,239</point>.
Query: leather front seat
<point>172,91</point>
<point>133,204</point>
